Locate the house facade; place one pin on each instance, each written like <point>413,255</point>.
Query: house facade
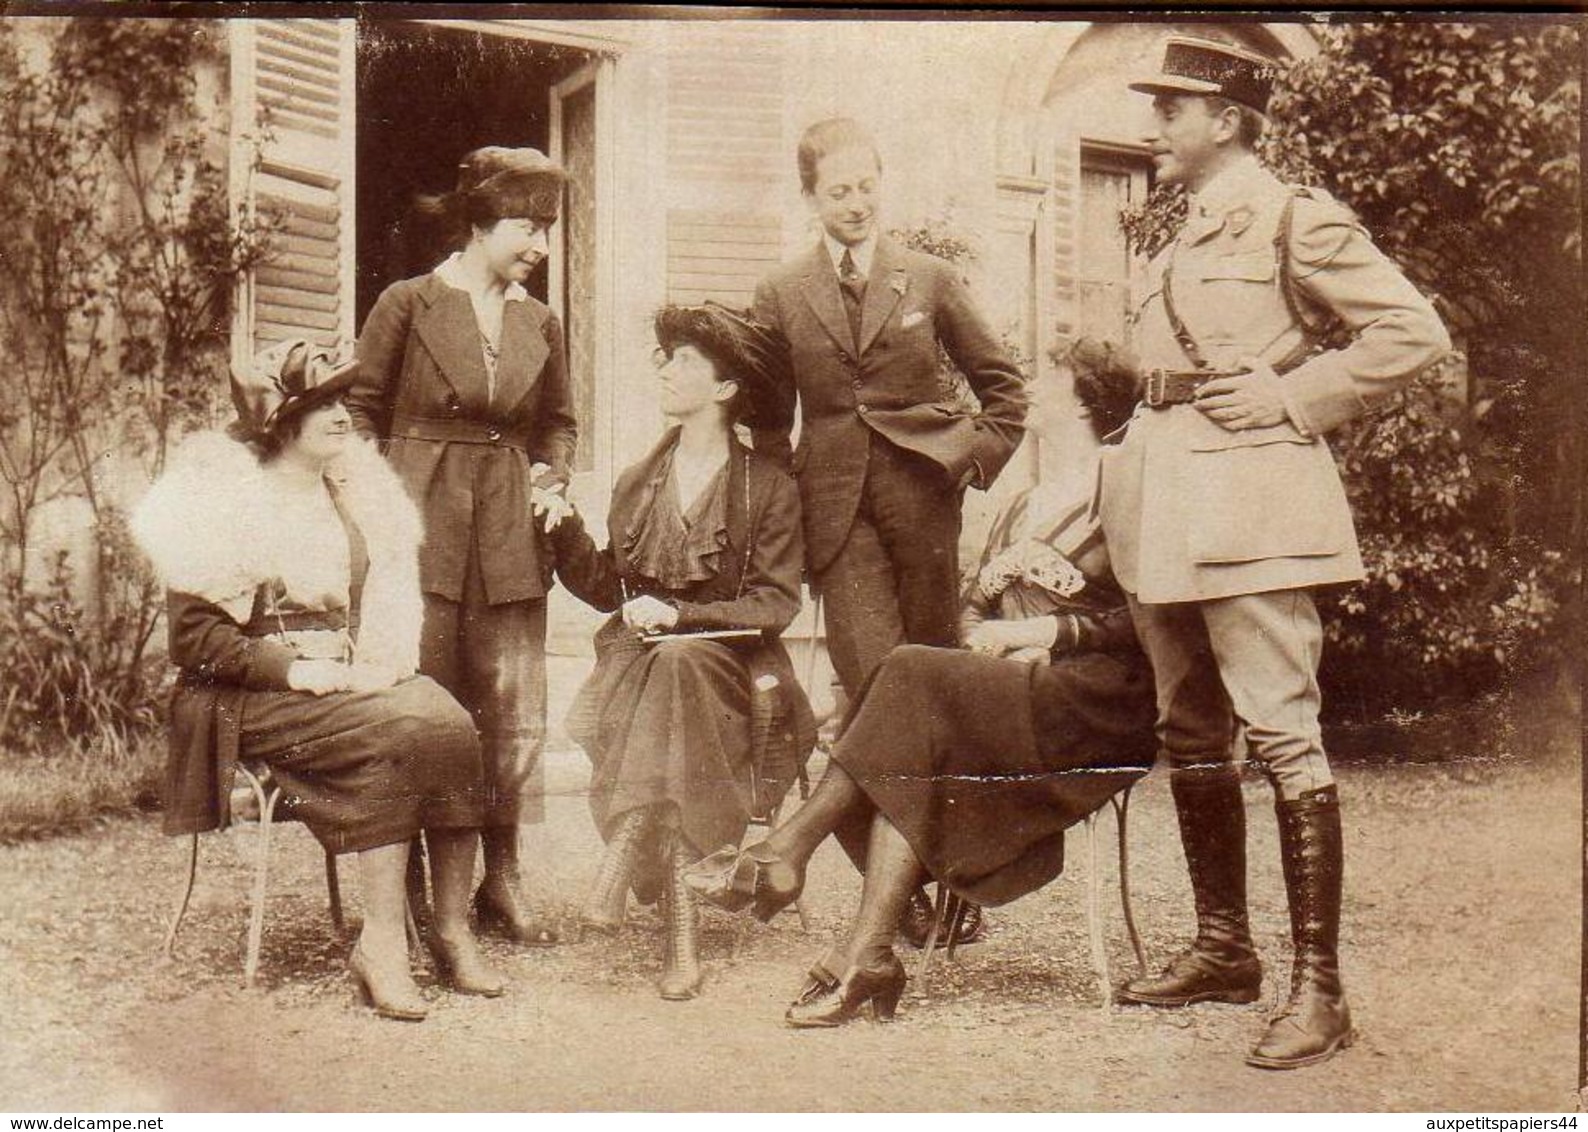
<point>680,134</point>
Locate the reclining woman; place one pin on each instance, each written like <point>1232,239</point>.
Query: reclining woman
<point>289,551</point>
<point>704,538</point>
<point>968,766</point>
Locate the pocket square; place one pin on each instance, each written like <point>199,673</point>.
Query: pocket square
<point>913,318</point>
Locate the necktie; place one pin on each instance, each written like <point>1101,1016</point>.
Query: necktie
<point>853,285</point>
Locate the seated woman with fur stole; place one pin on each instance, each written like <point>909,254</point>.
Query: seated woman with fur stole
<point>289,551</point>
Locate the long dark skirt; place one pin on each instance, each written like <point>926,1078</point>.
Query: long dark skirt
<point>668,724</point>
<point>365,769</point>
<point>983,763</point>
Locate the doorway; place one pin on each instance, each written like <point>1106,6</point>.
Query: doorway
<point>427,95</point>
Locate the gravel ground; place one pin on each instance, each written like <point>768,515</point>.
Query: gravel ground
<point>1461,954</point>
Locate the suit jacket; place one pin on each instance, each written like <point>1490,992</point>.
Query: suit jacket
<point>465,456</point>
<point>1193,511</point>
<point>887,382</point>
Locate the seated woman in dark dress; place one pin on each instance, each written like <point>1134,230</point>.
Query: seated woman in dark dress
<point>289,551</point>
<point>703,571</point>
<point>969,765</point>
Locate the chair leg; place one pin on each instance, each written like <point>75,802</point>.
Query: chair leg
<point>1094,911</point>
<point>1121,813</point>
<point>187,895</point>
<point>333,892</point>
<point>256,917</point>
<point>956,920</point>
<point>939,913</point>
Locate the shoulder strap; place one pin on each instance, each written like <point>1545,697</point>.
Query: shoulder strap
<point>1314,330</point>
<point>1176,325</point>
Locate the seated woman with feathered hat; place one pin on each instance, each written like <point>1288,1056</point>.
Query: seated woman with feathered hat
<point>289,552</point>
<point>701,574</point>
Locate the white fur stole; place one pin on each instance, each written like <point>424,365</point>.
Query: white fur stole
<point>211,527</point>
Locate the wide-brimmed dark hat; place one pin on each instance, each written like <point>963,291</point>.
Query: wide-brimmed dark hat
<point>286,380</point>
<point>517,181</point>
<point>745,351</point>
<point>1203,66</point>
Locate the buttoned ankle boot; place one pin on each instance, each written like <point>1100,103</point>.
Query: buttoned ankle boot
<point>681,974</point>
<point>1315,1023</point>
<point>603,911</point>
<point>1221,963</point>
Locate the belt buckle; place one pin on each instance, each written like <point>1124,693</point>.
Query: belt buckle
<point>1157,388</point>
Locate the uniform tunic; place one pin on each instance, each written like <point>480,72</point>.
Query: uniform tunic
<point>465,424</point>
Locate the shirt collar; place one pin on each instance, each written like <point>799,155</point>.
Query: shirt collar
<point>861,253</point>
<point>1229,187</point>
<point>450,272</point>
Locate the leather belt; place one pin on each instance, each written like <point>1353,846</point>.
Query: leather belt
<point>1164,387</point>
<point>456,432</point>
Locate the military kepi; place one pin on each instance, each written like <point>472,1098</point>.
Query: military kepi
<point>1202,66</point>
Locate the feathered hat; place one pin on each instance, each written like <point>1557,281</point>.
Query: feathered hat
<point>745,351</point>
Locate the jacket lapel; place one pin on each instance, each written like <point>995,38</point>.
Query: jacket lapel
<point>821,291</point>
<point>882,296</point>
<point>452,337</point>
<point>524,352</point>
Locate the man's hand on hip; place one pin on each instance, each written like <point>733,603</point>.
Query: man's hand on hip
<point>1248,400</point>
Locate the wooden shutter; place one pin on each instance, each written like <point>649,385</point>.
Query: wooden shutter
<point>725,146</point>
<point>293,103</point>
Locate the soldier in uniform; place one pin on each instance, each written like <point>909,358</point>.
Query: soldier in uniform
<point>1223,509</point>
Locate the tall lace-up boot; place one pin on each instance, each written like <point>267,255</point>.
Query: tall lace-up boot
<point>1315,1022</point>
<point>1221,963</point>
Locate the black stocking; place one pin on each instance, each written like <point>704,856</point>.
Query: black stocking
<point>836,804</point>
<point>893,873</point>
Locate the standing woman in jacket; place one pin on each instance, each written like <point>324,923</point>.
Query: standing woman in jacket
<point>464,377</point>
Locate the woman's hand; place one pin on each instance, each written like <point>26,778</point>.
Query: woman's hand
<point>999,638</point>
<point>371,677</point>
<point>547,503</point>
<point>647,614</point>
<point>319,677</point>
<point>551,507</point>
<point>1031,654</point>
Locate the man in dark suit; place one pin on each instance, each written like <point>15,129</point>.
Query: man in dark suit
<point>884,455</point>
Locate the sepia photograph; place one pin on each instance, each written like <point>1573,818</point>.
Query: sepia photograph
<point>667,559</point>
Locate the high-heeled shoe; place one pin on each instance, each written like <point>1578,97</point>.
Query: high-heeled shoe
<point>879,988</point>
<point>916,926</point>
<point>752,878</point>
<point>503,916</point>
<point>462,968</point>
<point>390,993</point>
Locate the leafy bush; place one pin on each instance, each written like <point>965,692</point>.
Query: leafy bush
<point>121,255</point>
<point>1457,145</point>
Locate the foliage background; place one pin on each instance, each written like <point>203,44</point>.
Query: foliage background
<point>120,255</point>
